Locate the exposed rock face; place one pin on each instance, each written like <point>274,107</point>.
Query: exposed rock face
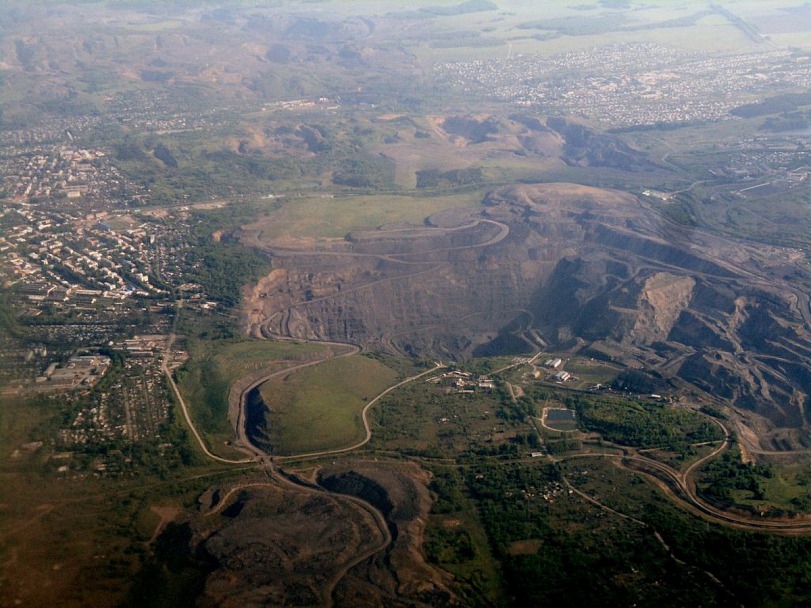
<point>400,573</point>
<point>356,544</point>
<point>285,548</point>
<point>394,293</point>
<point>662,300</point>
<point>561,265</point>
<point>585,147</point>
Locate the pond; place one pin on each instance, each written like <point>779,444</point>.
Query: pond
<point>559,415</point>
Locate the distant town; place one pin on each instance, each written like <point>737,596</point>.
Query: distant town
<point>626,85</point>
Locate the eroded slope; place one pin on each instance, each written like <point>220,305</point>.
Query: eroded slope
<point>560,266</point>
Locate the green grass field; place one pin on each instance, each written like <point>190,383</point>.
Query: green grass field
<point>787,489</point>
<point>206,380</point>
<point>238,360</point>
<point>334,217</point>
<point>319,408</point>
<point>590,372</point>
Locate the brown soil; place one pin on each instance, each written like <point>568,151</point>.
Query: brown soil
<point>574,266</point>
<point>400,573</point>
<point>280,546</point>
<point>358,543</point>
<point>166,515</point>
<point>525,547</point>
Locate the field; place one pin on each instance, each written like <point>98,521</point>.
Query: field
<point>24,422</point>
<point>331,218</point>
<point>757,488</point>
<point>779,492</point>
<point>319,408</point>
<point>424,420</point>
<point>561,419</point>
<point>500,516</point>
<point>241,358</point>
<point>788,488</point>
<point>206,380</point>
<point>565,28</point>
<point>241,129</point>
<point>418,144</point>
<point>77,539</point>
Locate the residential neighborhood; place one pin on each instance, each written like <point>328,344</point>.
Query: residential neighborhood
<point>629,84</point>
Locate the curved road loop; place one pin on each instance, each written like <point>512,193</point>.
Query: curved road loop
<point>364,417</point>
<point>242,434</point>
<point>185,409</point>
<point>243,441</point>
<point>678,485</point>
<point>683,491</point>
<point>265,328</point>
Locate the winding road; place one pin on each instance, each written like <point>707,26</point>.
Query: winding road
<point>275,478</point>
<point>243,440</point>
<point>679,485</point>
<point>365,419</point>
<point>277,324</point>
<point>682,489</point>
<point>184,408</point>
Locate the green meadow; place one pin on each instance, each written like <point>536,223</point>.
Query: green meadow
<point>319,408</point>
